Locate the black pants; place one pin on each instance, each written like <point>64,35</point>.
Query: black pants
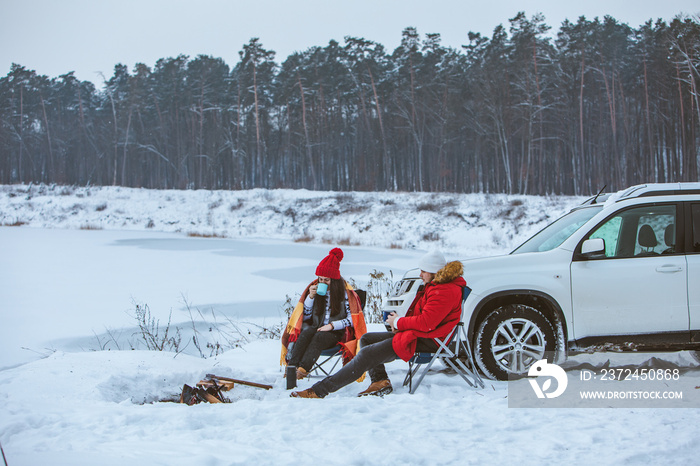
<point>309,344</point>
<point>375,351</point>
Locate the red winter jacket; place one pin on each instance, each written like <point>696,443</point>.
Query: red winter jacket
<point>433,313</point>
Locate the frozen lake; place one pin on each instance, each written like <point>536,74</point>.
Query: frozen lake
<point>62,288</point>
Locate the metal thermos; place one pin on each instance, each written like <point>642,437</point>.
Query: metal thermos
<point>291,377</point>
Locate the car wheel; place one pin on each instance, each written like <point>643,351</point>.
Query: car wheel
<point>511,339</point>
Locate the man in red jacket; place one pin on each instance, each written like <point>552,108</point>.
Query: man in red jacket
<point>434,312</point>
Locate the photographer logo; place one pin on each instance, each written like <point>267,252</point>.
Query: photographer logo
<point>546,372</point>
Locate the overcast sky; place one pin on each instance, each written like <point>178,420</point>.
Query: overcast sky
<point>54,37</point>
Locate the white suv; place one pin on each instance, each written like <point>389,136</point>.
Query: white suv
<point>620,272</point>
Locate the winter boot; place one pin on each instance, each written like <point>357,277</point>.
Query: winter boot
<point>381,388</point>
<point>301,373</point>
<point>308,393</point>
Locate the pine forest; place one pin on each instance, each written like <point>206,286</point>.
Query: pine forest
<point>525,111</point>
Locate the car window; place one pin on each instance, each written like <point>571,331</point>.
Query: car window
<point>556,233</point>
<point>696,227</point>
<point>610,232</point>
<point>638,232</point>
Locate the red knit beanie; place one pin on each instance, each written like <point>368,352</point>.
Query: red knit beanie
<point>330,265</point>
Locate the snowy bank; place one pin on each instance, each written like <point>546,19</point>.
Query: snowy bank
<point>467,225</point>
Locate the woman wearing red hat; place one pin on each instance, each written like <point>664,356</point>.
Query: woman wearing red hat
<point>328,313</point>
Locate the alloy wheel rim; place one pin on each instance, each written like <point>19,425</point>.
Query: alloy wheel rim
<point>517,343</point>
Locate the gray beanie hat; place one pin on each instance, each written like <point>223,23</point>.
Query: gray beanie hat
<point>432,262</point>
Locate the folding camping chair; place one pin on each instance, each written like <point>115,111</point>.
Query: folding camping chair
<point>331,353</point>
<point>453,350</point>
<point>328,355</point>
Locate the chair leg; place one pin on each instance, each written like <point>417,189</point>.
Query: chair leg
<point>319,365</point>
<point>340,358</point>
<point>461,369</point>
<point>412,369</point>
<point>412,389</point>
<point>450,353</point>
<point>462,347</point>
<point>464,343</point>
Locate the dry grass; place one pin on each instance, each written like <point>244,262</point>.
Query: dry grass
<point>348,242</point>
<point>194,234</point>
<point>16,223</point>
<point>341,242</point>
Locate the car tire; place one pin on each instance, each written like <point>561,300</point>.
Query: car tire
<point>511,339</point>
<point>696,355</point>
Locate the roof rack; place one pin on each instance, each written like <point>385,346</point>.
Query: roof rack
<point>656,189</point>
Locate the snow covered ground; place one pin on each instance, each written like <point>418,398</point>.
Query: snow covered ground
<point>77,386</point>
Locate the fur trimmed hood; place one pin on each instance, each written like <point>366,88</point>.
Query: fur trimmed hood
<point>449,272</point>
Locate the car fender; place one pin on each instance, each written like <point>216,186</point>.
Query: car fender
<point>543,275</point>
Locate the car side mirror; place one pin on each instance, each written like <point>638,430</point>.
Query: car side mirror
<point>593,248</point>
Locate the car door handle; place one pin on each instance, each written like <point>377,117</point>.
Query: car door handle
<point>669,269</point>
